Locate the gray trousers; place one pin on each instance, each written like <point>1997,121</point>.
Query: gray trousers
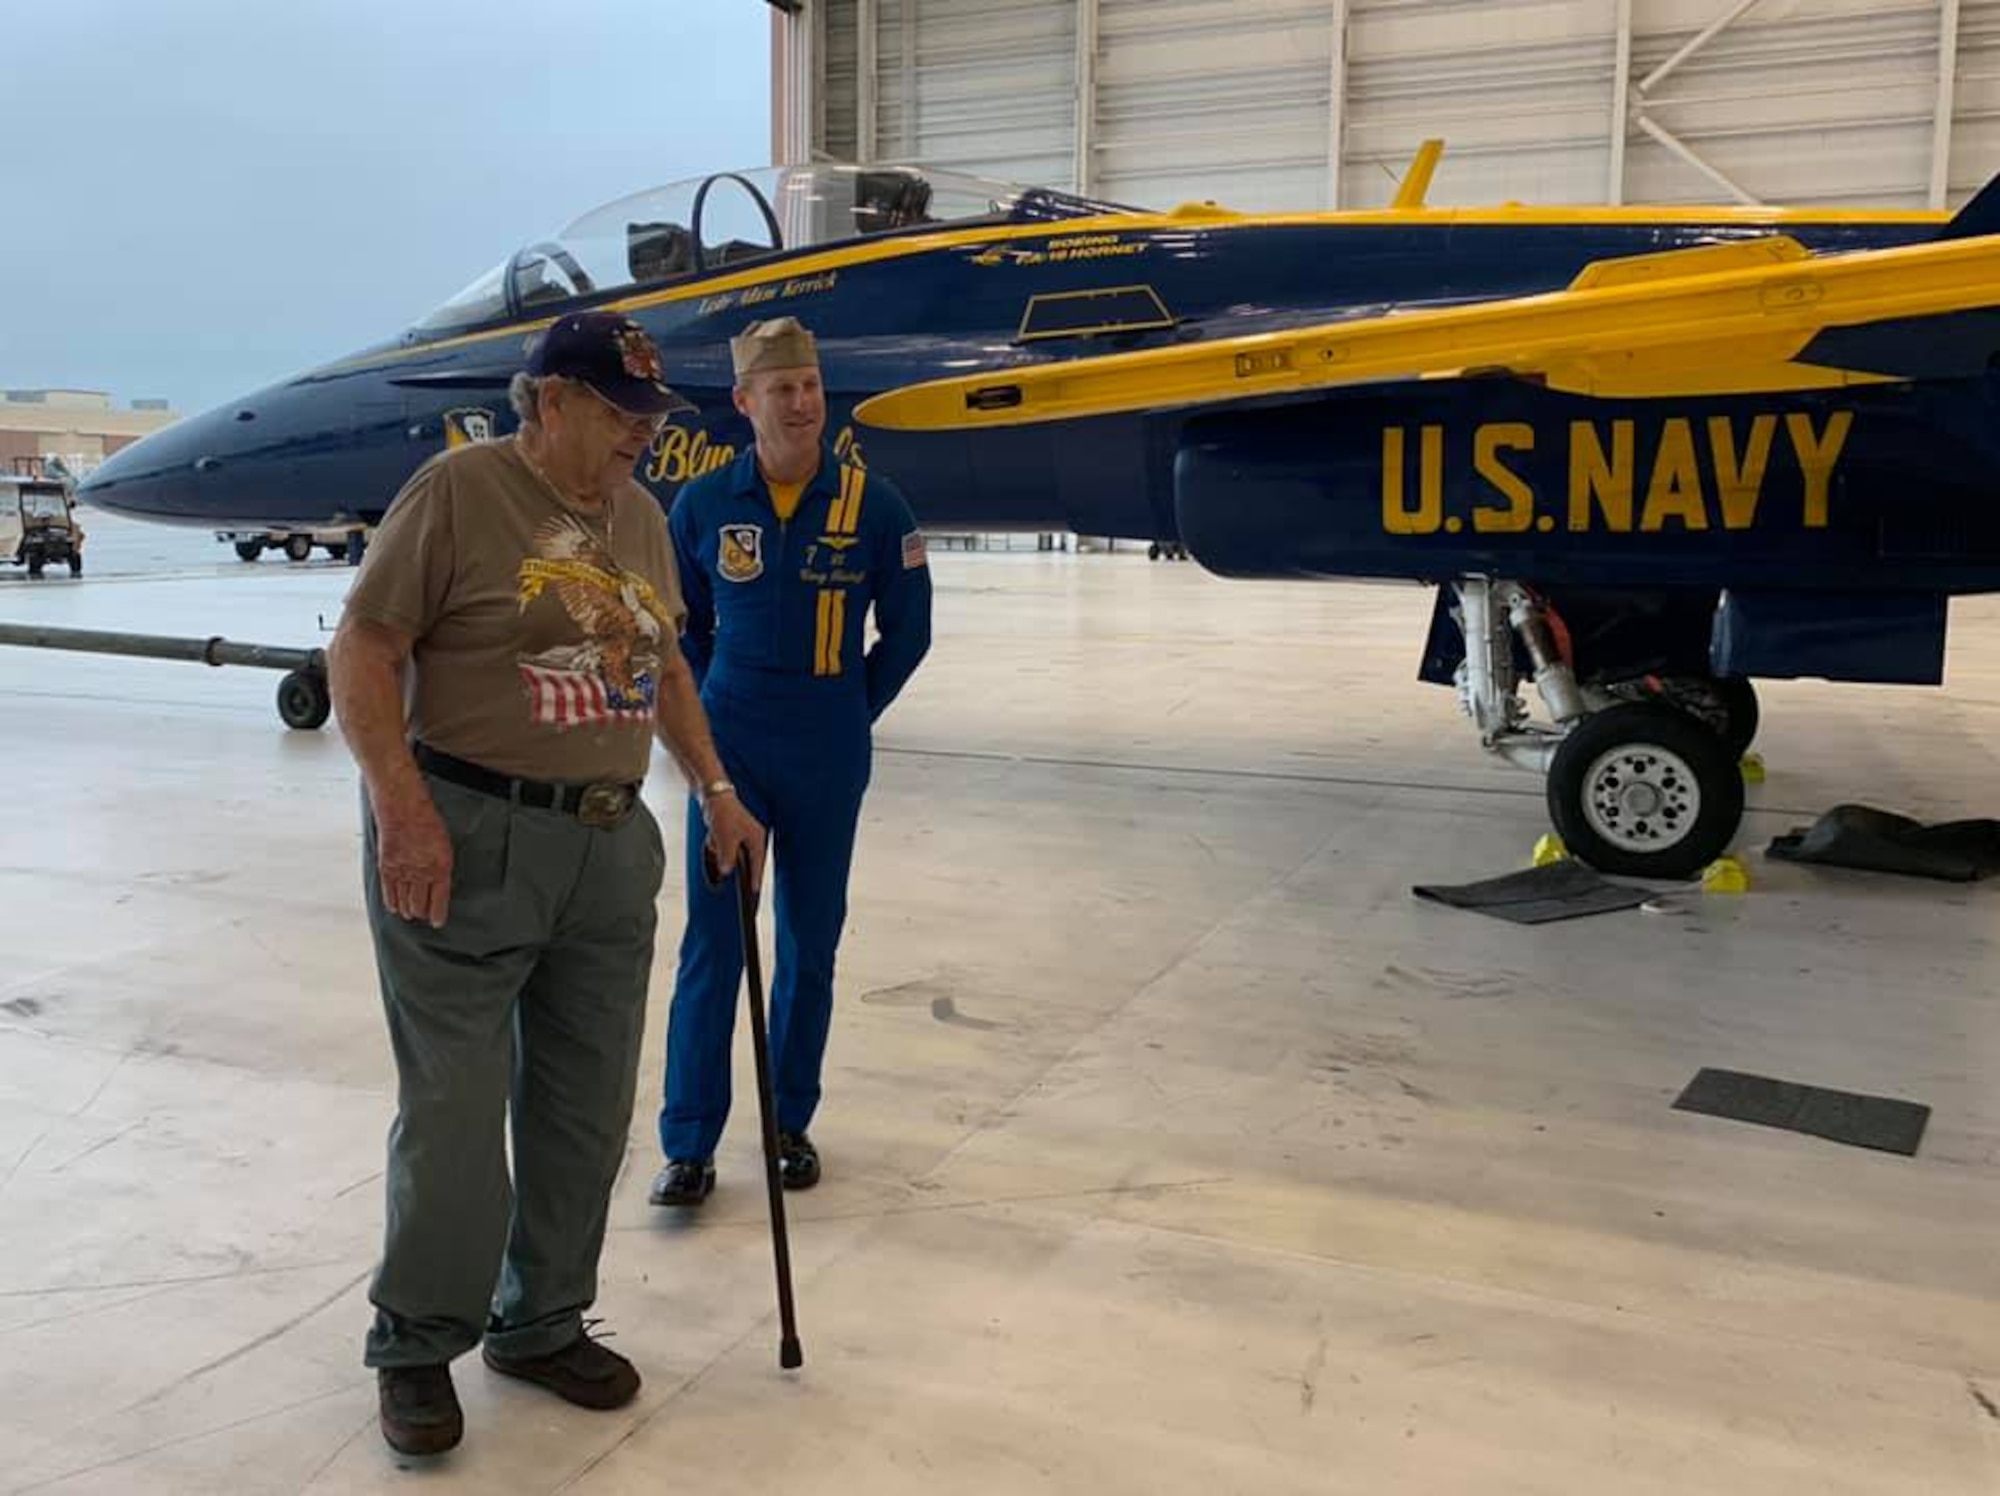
<point>532,996</point>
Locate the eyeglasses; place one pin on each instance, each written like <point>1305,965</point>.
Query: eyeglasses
<point>646,426</point>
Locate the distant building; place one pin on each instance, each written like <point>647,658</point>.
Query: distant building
<point>82,427</point>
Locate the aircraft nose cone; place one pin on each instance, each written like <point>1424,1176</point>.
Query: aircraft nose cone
<point>151,479</point>
<point>189,472</point>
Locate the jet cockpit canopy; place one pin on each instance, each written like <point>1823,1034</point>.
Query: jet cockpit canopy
<point>706,224</point>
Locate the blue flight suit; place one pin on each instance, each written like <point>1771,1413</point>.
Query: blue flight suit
<point>775,638</point>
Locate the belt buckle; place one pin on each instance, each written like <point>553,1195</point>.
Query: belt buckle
<point>605,806</point>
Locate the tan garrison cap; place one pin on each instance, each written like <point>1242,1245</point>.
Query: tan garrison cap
<point>781,343</point>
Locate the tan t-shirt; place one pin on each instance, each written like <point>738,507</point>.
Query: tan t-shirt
<point>540,630</point>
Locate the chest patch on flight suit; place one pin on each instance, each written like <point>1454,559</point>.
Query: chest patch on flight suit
<point>740,555</point>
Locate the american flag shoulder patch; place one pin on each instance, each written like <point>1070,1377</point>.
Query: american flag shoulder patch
<point>913,550</point>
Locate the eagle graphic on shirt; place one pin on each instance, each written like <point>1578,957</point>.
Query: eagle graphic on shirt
<point>611,672</point>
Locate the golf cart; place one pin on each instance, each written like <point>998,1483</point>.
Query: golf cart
<point>38,524</point>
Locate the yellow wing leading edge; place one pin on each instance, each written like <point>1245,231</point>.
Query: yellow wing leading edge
<point>1714,320</point>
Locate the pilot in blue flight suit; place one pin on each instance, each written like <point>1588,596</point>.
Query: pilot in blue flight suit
<point>781,553</point>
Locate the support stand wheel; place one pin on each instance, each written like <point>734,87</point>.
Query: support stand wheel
<point>1644,791</point>
<point>304,700</point>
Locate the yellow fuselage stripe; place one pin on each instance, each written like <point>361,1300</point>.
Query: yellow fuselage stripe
<point>1182,222</point>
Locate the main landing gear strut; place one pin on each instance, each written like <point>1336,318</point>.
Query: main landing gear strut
<point>1644,778</point>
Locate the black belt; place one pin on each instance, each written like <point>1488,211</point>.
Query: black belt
<point>606,803</point>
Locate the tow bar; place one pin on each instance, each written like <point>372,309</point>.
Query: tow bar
<point>304,701</point>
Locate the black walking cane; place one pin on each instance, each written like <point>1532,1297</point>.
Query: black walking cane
<point>789,1353</point>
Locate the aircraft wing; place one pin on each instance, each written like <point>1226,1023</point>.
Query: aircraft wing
<point>1738,318</point>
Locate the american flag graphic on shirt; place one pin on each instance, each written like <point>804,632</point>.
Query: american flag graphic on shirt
<point>578,698</point>
<point>610,676</point>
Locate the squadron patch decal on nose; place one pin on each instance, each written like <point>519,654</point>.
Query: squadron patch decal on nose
<point>467,425</point>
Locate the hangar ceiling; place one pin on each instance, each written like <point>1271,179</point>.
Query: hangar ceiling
<point>1272,104</point>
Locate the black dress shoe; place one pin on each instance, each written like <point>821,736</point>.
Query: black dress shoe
<point>419,1409</point>
<point>682,1182</point>
<point>798,1161</point>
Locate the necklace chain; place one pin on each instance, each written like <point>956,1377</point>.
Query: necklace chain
<point>567,507</point>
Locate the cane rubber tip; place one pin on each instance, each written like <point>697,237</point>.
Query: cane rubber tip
<point>790,1356</point>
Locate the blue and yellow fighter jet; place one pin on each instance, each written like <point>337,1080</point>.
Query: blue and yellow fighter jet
<point>1646,455</point>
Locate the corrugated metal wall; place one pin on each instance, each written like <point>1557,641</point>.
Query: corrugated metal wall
<point>986,86</point>
<point>1300,103</point>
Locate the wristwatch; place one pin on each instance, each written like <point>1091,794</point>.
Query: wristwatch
<point>716,787</point>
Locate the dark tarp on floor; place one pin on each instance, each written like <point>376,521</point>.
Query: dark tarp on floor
<point>1859,836</point>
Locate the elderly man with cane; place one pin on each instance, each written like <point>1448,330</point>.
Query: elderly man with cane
<point>525,592</point>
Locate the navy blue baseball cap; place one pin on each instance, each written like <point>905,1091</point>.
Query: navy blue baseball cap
<point>611,354</point>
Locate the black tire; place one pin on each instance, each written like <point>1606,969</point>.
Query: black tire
<point>35,565</point>
<point>1739,707</point>
<point>1601,766</point>
<point>298,547</point>
<point>76,566</point>
<point>357,547</point>
<point>304,702</point>
<point>249,550</point>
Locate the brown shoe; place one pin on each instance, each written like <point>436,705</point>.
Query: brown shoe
<point>419,1409</point>
<point>582,1372</point>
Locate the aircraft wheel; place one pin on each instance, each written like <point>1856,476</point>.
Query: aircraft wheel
<point>304,701</point>
<point>1738,699</point>
<point>1726,706</point>
<point>1153,551</point>
<point>1646,792</point>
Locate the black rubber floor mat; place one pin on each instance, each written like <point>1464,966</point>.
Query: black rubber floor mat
<point>1561,890</point>
<point>1839,1116</point>
<point>1877,841</point>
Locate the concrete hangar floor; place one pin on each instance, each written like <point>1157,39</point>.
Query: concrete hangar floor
<point>1172,1145</point>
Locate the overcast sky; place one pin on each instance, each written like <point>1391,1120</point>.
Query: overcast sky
<point>203,196</point>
